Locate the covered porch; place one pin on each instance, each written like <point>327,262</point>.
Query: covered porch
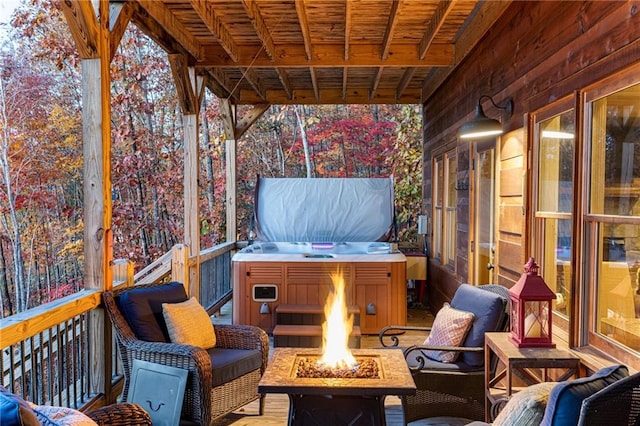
<point>548,57</point>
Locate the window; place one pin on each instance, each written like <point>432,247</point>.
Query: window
<point>554,205</point>
<point>445,170</point>
<point>613,217</point>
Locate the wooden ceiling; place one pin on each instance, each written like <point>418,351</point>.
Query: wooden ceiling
<point>318,51</point>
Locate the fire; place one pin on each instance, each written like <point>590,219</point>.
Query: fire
<point>337,328</point>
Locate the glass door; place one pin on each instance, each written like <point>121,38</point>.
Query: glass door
<point>484,192</point>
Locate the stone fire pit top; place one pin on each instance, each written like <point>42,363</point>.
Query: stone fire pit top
<point>395,378</point>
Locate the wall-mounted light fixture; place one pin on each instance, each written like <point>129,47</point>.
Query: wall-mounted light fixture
<point>482,126</point>
<point>265,309</point>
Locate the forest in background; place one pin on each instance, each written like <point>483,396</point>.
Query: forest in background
<point>41,191</point>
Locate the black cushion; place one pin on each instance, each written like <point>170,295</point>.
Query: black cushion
<point>142,308</point>
<point>228,364</point>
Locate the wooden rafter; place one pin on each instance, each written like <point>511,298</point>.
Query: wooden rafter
<point>251,7</point>
<point>388,32</point>
<point>345,79</point>
<point>314,82</point>
<point>327,56</point>
<point>304,27</point>
<point>355,95</point>
<point>347,29</point>
<point>83,25</point>
<point>151,27</point>
<point>439,16</point>
<point>218,83</point>
<point>286,83</point>
<point>252,78</point>
<point>207,13</point>
<point>486,16</point>
<point>159,12</point>
<point>376,82</point>
<point>404,81</point>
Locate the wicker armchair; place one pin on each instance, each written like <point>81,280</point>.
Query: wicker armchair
<point>449,389</point>
<point>203,402</point>
<point>617,404</point>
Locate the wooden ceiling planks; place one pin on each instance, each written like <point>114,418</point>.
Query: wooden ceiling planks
<point>314,51</point>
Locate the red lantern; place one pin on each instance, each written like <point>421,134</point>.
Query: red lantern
<point>531,310</point>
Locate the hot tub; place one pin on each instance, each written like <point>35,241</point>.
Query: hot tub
<point>311,229</point>
<point>307,250</point>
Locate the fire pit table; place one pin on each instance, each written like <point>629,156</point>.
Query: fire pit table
<point>337,401</point>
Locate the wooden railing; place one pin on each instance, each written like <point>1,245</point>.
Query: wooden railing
<point>60,353</point>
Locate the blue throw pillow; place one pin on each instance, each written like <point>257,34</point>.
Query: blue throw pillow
<point>488,308</point>
<point>563,407</point>
<point>142,308</point>
<point>15,410</point>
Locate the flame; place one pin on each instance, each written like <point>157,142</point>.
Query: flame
<point>337,328</point>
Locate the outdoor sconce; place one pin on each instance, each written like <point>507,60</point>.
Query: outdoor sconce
<point>531,310</point>
<point>265,309</point>
<point>371,309</point>
<point>482,126</point>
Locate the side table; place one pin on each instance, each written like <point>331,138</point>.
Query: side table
<point>521,362</point>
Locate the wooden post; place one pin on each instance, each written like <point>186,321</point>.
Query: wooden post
<point>180,265</point>
<point>190,88</point>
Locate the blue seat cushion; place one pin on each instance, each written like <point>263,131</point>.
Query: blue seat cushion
<point>488,308</point>
<point>15,410</point>
<point>565,400</point>
<point>142,308</point>
<point>228,364</point>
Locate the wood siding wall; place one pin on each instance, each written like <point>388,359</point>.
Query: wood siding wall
<point>536,53</point>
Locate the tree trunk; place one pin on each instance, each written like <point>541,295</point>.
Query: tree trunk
<point>305,141</point>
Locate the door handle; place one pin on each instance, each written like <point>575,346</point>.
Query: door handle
<point>490,266</point>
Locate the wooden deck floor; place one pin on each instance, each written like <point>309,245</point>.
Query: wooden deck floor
<point>277,405</point>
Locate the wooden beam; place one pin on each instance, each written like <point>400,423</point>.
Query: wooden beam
<point>246,121</point>
<point>218,83</point>
<point>253,11</point>
<point>206,11</point>
<point>376,82</point>
<point>167,20</point>
<point>404,81</point>
<point>252,78</point>
<point>329,96</point>
<point>347,29</point>
<point>119,17</point>
<point>83,24</point>
<point>388,32</point>
<point>186,95</point>
<point>345,79</point>
<point>314,83</point>
<point>486,15</point>
<point>331,55</point>
<point>147,24</point>
<point>304,27</point>
<point>286,83</point>
<point>439,16</point>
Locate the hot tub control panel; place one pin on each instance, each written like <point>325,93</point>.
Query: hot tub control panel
<point>265,293</point>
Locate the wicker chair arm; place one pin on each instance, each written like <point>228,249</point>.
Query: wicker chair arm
<point>122,414</point>
<point>240,337</point>
<point>388,336</point>
<point>420,357</point>
<point>243,337</point>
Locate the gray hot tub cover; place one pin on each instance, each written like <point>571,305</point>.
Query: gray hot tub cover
<point>324,209</point>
